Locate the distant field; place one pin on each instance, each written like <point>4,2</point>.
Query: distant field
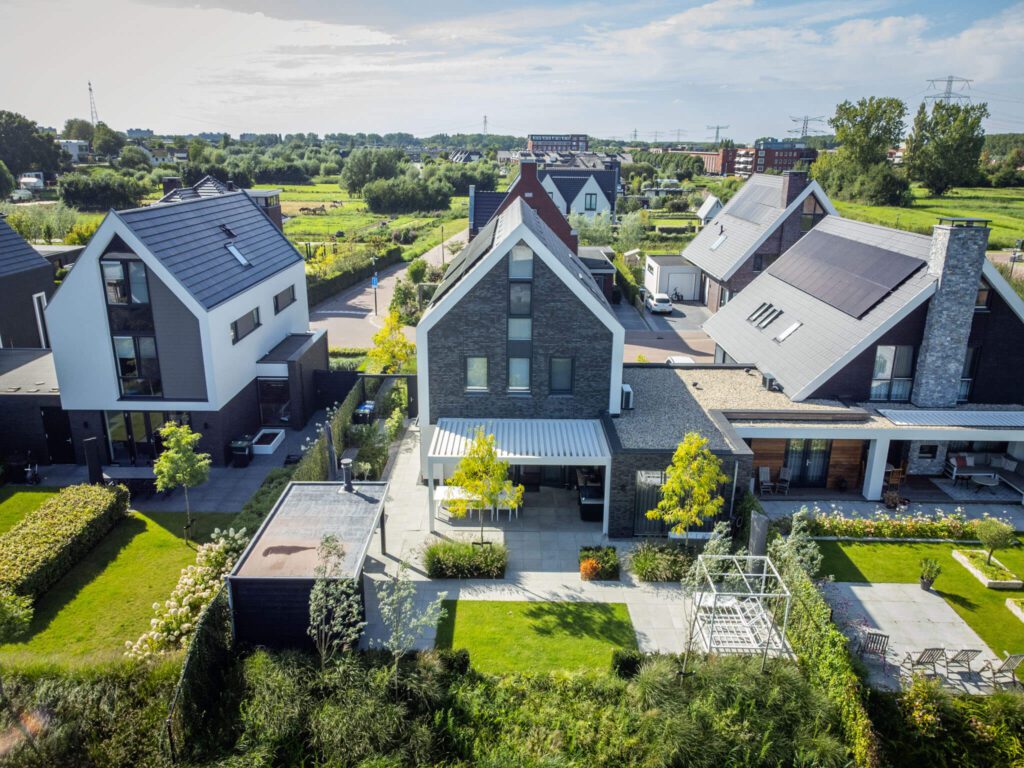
<point>1005,208</point>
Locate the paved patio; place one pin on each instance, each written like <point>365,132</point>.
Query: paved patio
<point>543,564</point>
<point>1012,513</point>
<point>226,491</point>
<point>914,619</point>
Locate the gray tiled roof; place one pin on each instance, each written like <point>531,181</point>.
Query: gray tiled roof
<point>570,181</point>
<point>207,186</point>
<point>826,334</point>
<point>755,210</point>
<point>15,254</point>
<point>485,203</point>
<point>189,241</point>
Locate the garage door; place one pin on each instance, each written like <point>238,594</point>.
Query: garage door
<point>685,283</point>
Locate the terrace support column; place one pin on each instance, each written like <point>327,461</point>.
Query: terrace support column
<point>430,495</point>
<point>874,473</point>
<point>607,496</point>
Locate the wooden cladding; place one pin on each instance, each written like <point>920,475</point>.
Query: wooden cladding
<point>845,466</point>
<point>769,453</point>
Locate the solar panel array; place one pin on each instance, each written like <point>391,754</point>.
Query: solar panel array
<point>848,275</point>
<point>758,205</point>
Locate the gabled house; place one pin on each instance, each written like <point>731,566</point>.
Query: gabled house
<point>26,284</point>
<point>208,186</point>
<point>708,210</point>
<point>576,190</point>
<point>519,340</point>
<point>764,218</point>
<point>876,351</point>
<point>194,311</point>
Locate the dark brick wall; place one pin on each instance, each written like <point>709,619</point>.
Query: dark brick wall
<point>21,426</point>
<point>18,326</point>
<point>477,326</point>
<point>625,465</point>
<point>241,416</point>
<point>853,382</point>
<point>998,332</point>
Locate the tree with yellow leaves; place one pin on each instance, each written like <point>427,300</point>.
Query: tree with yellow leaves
<point>391,350</point>
<point>690,491</point>
<point>483,479</point>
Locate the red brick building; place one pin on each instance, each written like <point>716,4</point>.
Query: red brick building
<point>558,142</point>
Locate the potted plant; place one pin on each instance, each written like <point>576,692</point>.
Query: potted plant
<point>891,499</point>
<point>930,570</point>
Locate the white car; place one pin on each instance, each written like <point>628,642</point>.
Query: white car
<point>659,303</point>
<point>21,196</point>
<point>677,360</point>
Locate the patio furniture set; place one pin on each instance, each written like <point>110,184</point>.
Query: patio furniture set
<point>767,486</point>
<point>876,645</point>
<point>445,494</point>
<point>985,470</point>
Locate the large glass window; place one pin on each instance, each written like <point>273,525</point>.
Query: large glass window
<point>113,280</point>
<point>561,376</point>
<point>520,299</point>
<point>125,282</point>
<point>893,376</point>
<point>137,282</point>
<point>476,373</point>
<point>811,214</point>
<point>520,263</point>
<point>137,366</point>
<point>519,374</point>
<point>245,325</point>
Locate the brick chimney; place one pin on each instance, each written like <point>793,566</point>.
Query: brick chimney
<point>793,183</point>
<point>171,183</point>
<point>956,258</point>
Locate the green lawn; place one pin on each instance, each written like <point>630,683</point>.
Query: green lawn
<point>16,501</point>
<point>1005,207</point>
<point>108,597</point>
<point>983,609</point>
<point>506,637</point>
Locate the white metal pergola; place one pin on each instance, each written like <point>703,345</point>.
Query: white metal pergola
<point>741,606</point>
<point>523,442</point>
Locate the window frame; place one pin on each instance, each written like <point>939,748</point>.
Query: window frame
<point>529,374</point>
<point>572,375</point>
<point>152,383</point>
<point>984,289</point>
<point>886,383</point>
<point>125,267</point>
<point>278,306</point>
<point>589,201</point>
<point>465,374</point>
<point>235,338</point>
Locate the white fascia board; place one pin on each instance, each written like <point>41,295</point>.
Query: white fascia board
<point>876,432</point>
<point>995,278</point>
<point>556,196</point>
<point>864,343</point>
<point>813,187</point>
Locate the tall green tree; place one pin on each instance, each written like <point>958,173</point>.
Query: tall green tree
<point>483,480</point>
<point>7,182</point>
<point>690,491</point>
<point>77,128</point>
<point>944,147</point>
<point>107,141</point>
<point>866,130</point>
<point>366,165</point>
<point>24,147</point>
<point>180,464</point>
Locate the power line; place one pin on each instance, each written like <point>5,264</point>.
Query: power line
<point>947,93</point>
<point>717,129</point>
<point>805,130</point>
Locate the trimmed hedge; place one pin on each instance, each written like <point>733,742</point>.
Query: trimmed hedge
<point>318,290</point>
<point>955,527</point>
<point>464,560</point>
<point>48,542</point>
<point>313,466</point>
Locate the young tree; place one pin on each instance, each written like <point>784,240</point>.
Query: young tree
<point>335,613</point>
<point>994,534</point>
<point>391,349</point>
<point>396,600</point>
<point>866,130</point>
<point>179,464</point>
<point>631,232</point>
<point>483,478</point>
<point>595,230</point>
<point>690,491</point>
<point>797,549</point>
<point>944,147</point>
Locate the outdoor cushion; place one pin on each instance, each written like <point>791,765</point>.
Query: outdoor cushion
<point>996,461</point>
<point>1010,465</point>
<point>969,460</point>
<point>961,461</point>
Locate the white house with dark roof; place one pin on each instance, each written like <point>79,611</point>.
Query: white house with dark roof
<point>708,210</point>
<point>194,311</point>
<point>579,190</point>
<point>763,219</point>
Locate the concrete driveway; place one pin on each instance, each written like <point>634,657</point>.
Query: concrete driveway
<point>659,336</point>
<point>349,316</point>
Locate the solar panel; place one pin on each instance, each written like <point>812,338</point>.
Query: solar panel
<point>756,204</point>
<point>848,275</point>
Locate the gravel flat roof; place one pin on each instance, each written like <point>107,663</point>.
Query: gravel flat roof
<point>286,544</point>
<point>27,372</point>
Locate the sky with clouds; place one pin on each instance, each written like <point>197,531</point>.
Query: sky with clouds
<point>607,69</point>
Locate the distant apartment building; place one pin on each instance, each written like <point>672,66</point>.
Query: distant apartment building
<point>763,157</point>
<point>139,133</point>
<point>557,142</point>
<point>78,149</point>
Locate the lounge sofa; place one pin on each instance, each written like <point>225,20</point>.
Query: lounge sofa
<point>1009,471</point>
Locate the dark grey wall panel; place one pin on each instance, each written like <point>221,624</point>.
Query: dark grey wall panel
<point>179,344</point>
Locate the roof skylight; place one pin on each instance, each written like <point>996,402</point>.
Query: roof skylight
<point>788,332</point>
<point>237,254</point>
<point>718,241</point>
<point>768,318</point>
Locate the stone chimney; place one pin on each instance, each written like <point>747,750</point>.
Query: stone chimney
<point>793,183</point>
<point>956,259</point>
<point>171,183</point>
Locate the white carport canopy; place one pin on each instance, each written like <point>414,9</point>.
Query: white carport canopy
<point>538,442</point>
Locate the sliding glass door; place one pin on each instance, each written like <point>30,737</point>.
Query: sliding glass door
<point>808,461</point>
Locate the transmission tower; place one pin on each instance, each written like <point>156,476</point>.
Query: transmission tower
<point>805,130</point>
<point>93,117</point>
<point>717,129</point>
<point>947,93</point>
<point>485,125</point>
<point>634,134</point>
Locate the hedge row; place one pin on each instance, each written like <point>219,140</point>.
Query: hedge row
<point>823,655</point>
<point>45,545</point>
<point>313,466</point>
<point>320,289</point>
<point>939,526</point>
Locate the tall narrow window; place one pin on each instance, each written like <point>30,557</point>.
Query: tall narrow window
<point>519,374</point>
<point>893,376</point>
<point>113,281</point>
<point>968,375</point>
<point>981,300</point>
<point>560,376</point>
<point>520,263</point>
<point>590,201</point>
<point>137,282</point>
<point>476,374</point>
<point>520,297</point>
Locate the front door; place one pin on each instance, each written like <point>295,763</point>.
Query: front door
<point>808,461</point>
<point>58,435</point>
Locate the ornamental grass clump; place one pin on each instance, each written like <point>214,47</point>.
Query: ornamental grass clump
<point>659,562</point>
<point>465,560</point>
<point>176,617</point>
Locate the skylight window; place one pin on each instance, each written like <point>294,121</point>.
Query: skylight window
<point>788,332</point>
<point>769,318</point>
<point>758,313</point>
<point>237,254</point>
<point>718,241</point>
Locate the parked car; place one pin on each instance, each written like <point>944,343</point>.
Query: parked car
<point>675,360</point>
<point>21,196</point>
<point>660,303</point>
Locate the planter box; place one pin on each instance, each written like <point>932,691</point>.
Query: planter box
<point>1015,608</point>
<point>990,583</point>
<point>267,440</point>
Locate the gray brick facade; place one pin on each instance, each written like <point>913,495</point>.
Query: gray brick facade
<point>957,257</point>
<point>563,326</point>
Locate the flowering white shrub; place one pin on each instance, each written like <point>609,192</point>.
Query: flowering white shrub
<point>176,618</point>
